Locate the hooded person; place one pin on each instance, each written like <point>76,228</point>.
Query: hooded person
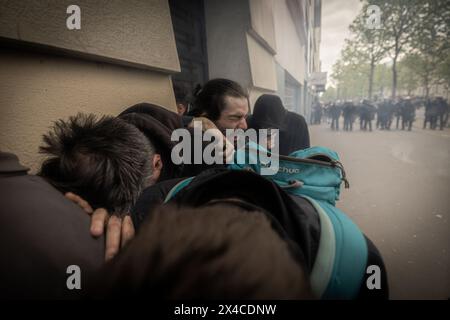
<point>269,113</point>
<point>158,124</point>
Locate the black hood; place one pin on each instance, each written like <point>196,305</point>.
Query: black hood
<point>157,124</point>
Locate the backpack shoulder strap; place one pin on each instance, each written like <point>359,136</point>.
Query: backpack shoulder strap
<point>177,188</point>
<point>323,265</point>
<point>343,250</point>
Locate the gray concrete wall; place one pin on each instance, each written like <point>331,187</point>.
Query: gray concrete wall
<point>226,26</point>
<point>262,65</point>
<point>262,23</point>
<point>280,80</point>
<point>290,51</point>
<point>37,89</point>
<point>132,32</point>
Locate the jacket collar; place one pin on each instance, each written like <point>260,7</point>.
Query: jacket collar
<point>9,163</point>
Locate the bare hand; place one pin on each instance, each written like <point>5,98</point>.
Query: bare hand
<point>224,147</point>
<point>118,231</point>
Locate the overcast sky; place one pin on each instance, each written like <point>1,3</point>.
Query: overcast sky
<point>337,15</point>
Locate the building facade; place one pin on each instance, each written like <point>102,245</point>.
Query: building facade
<point>126,52</point>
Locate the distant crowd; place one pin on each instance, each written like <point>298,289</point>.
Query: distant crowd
<point>401,111</point>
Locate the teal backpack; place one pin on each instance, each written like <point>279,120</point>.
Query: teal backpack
<point>316,174</point>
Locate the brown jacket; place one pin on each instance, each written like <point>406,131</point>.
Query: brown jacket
<point>42,233</point>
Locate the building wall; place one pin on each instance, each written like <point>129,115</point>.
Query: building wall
<point>239,44</point>
<point>132,32</point>
<point>123,54</point>
<point>262,23</point>
<point>262,65</point>
<point>290,50</point>
<point>226,26</point>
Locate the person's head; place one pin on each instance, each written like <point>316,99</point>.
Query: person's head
<point>268,113</point>
<point>224,102</point>
<point>106,161</point>
<point>181,108</point>
<point>213,252</point>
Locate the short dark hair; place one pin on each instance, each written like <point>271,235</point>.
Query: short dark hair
<point>106,161</point>
<point>212,252</point>
<point>209,100</point>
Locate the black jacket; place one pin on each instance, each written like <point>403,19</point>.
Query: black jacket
<point>295,136</point>
<point>292,217</point>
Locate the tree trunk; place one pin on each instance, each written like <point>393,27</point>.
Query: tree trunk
<point>427,86</point>
<point>371,75</point>
<point>427,91</point>
<point>394,77</point>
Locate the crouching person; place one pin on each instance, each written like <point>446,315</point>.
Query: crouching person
<point>336,266</point>
<point>102,165</point>
<point>218,251</point>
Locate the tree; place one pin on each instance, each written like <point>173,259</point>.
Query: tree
<point>382,80</point>
<point>369,45</point>
<point>443,74</point>
<point>350,77</point>
<point>329,94</point>
<point>429,42</point>
<point>413,34</point>
<point>408,75</point>
<point>398,24</point>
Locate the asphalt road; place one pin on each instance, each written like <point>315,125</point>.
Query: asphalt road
<point>400,197</point>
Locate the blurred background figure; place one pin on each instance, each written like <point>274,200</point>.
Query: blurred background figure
<point>335,113</point>
<point>181,98</point>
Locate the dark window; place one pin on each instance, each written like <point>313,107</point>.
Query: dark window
<point>188,20</point>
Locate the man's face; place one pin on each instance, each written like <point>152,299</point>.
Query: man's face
<point>233,115</point>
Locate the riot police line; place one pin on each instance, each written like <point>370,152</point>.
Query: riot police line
<point>398,113</point>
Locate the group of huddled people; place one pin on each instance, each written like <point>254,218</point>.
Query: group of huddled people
<point>401,111</point>
<point>108,199</point>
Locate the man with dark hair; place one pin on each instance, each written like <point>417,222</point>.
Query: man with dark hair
<point>101,165</point>
<point>222,101</point>
<point>218,251</point>
<point>105,161</point>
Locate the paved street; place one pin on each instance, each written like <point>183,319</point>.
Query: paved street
<point>400,196</point>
